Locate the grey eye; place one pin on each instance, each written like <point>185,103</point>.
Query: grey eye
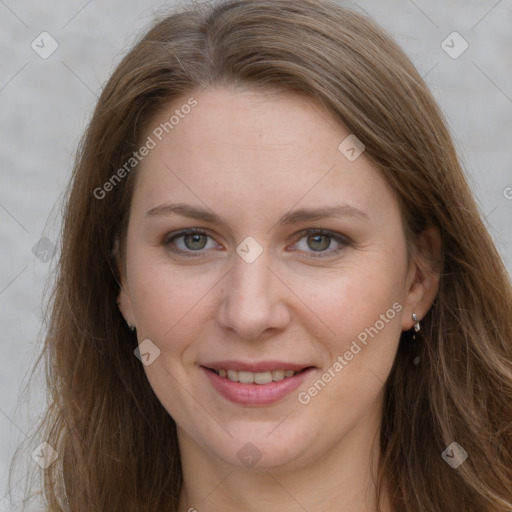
<point>319,242</point>
<point>195,241</point>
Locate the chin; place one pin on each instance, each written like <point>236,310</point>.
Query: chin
<point>261,446</point>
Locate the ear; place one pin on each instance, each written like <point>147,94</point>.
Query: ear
<point>422,283</point>
<point>124,302</point>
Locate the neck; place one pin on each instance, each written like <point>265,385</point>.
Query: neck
<point>342,479</point>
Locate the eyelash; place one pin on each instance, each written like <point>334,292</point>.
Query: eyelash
<point>342,240</point>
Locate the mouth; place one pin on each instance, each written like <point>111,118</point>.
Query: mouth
<point>255,384</point>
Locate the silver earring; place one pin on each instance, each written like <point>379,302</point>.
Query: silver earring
<point>416,360</point>
<point>416,322</point>
<point>130,326</point>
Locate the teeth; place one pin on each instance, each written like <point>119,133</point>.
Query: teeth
<point>255,378</point>
<point>277,374</point>
<point>263,378</point>
<point>246,377</point>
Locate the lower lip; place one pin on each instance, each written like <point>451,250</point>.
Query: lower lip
<point>256,394</point>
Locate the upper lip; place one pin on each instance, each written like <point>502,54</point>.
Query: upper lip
<point>256,367</point>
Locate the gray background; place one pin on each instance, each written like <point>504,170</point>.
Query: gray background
<point>45,105</point>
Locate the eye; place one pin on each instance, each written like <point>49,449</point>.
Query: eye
<point>322,242</point>
<point>317,243</point>
<point>189,241</point>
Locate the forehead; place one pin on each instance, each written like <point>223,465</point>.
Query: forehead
<point>256,148</point>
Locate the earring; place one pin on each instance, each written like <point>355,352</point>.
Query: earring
<point>416,322</point>
<point>416,360</point>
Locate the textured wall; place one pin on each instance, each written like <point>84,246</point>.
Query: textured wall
<point>45,104</point>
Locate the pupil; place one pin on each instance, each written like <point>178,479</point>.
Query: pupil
<point>194,241</point>
<point>319,242</point>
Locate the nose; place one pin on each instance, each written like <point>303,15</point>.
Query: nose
<point>252,301</point>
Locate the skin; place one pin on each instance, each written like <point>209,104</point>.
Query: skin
<point>250,158</point>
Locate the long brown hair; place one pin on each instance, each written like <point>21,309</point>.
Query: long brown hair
<point>117,445</point>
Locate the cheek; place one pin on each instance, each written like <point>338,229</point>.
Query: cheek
<point>361,307</point>
<point>354,299</point>
<point>168,302</point>
<point>363,315</point>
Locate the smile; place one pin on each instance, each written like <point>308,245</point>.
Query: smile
<point>255,388</point>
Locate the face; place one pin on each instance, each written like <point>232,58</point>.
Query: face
<point>267,276</point>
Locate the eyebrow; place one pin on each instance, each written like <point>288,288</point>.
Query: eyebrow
<point>291,217</point>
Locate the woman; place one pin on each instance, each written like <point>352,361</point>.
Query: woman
<point>275,290</point>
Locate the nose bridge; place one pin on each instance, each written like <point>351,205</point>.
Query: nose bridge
<point>251,302</point>
<point>252,277</point>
